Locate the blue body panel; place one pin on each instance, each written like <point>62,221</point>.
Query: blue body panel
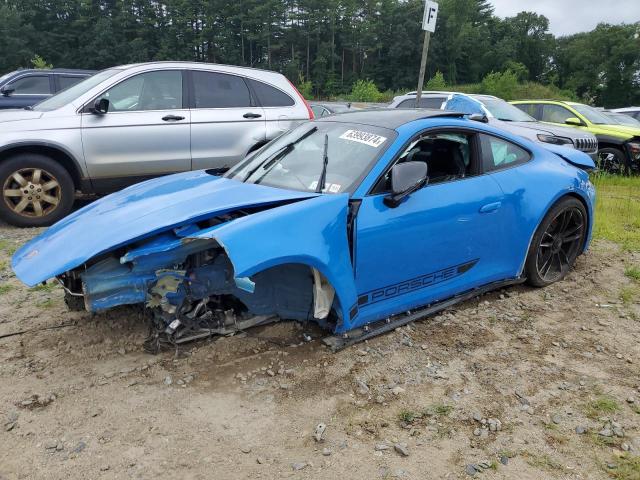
<point>135,213</point>
<point>443,240</point>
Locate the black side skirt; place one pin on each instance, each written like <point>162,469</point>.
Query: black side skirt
<point>338,342</point>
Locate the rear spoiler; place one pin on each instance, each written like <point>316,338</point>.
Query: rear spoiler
<point>574,157</point>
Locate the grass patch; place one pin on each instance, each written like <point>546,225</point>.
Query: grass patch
<point>8,247</point>
<point>435,410</point>
<point>542,461</point>
<point>44,287</point>
<point>408,416</point>
<point>438,409</point>
<point>617,215</point>
<point>5,288</point>
<point>601,441</point>
<point>507,453</point>
<point>628,295</point>
<point>633,273</point>
<point>601,405</point>
<point>46,304</point>
<point>555,438</point>
<point>627,468</point>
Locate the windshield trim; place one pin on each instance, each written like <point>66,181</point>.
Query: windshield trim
<point>357,182</point>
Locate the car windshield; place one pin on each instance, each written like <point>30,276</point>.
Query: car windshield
<point>593,115</point>
<point>6,75</point>
<point>70,94</point>
<point>623,119</point>
<point>504,111</point>
<point>295,160</point>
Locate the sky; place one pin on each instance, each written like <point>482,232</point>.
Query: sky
<point>572,16</point>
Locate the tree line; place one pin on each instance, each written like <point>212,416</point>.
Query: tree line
<point>326,46</point>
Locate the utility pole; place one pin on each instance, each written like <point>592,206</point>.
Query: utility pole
<point>429,26</point>
<point>423,66</point>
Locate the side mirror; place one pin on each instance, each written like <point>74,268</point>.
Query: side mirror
<point>7,90</point>
<point>406,178</point>
<point>479,117</point>
<point>574,121</point>
<point>101,106</point>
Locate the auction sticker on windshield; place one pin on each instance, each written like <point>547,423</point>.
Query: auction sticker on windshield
<point>367,138</point>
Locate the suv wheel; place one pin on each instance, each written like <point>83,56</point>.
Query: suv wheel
<point>36,191</point>
<point>611,160</point>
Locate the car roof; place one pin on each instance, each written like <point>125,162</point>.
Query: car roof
<point>51,70</point>
<point>185,63</point>
<point>562,102</point>
<point>391,118</point>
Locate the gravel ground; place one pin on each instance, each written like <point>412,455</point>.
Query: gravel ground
<point>518,384</point>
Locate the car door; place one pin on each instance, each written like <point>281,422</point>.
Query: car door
<point>558,114</point>
<point>443,239</point>
<point>509,165</point>
<point>26,91</point>
<point>145,132</point>
<point>225,120</point>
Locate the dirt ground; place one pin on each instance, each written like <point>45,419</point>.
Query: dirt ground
<point>518,384</point>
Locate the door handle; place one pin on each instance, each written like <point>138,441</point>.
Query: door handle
<point>172,118</point>
<point>490,207</point>
<point>251,115</point>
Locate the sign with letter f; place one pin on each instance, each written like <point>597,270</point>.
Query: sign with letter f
<point>430,16</point>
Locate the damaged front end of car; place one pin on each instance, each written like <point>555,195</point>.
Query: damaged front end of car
<point>276,256</point>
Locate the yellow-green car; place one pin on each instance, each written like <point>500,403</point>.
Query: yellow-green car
<point>618,145</point>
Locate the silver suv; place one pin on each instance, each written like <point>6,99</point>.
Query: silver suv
<point>503,115</point>
<point>134,122</point>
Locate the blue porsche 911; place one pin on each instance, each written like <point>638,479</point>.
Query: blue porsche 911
<point>360,222</point>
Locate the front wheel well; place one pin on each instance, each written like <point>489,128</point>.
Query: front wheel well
<point>56,154</point>
<point>604,144</point>
<point>586,209</point>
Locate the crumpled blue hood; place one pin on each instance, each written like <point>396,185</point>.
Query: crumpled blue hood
<point>135,213</point>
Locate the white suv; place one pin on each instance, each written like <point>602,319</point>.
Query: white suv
<point>133,122</point>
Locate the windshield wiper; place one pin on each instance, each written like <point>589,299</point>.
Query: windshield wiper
<point>505,119</point>
<point>325,162</point>
<point>29,107</point>
<point>279,153</point>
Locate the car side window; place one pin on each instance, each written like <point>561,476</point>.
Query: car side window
<point>160,90</point>
<point>66,81</point>
<point>269,96</point>
<point>425,102</point>
<point>32,85</point>
<point>448,155</point>
<point>498,153</point>
<point>555,114</point>
<point>219,90</point>
<point>318,111</point>
<point>529,108</point>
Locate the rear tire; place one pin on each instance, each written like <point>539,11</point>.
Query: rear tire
<point>36,191</point>
<point>557,243</point>
<point>612,160</point>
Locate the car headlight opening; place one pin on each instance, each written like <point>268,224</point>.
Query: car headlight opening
<point>555,140</point>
